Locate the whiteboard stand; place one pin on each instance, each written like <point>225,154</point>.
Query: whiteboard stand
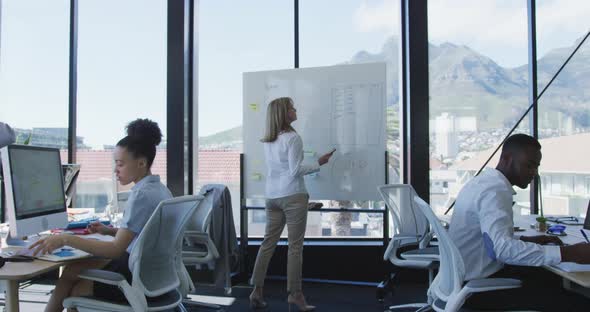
<point>245,270</point>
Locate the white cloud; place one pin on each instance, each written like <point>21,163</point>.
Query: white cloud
<point>560,23</point>
<point>381,16</point>
<point>496,28</point>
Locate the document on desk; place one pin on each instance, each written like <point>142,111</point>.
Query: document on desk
<point>61,254</point>
<point>573,267</point>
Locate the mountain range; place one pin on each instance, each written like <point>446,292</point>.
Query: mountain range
<point>465,82</point>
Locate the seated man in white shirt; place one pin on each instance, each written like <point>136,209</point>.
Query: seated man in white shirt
<point>483,230</point>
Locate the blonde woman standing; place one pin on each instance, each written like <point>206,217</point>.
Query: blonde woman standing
<point>286,202</point>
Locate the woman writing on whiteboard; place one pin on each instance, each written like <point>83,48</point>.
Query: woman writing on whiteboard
<point>286,200</point>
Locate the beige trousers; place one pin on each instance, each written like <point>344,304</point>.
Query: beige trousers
<point>290,210</point>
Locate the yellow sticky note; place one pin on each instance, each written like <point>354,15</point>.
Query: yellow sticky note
<point>254,107</point>
<point>256,176</point>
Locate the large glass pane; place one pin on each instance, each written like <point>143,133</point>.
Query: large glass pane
<point>564,109</point>
<point>121,77</point>
<point>478,89</point>
<point>34,50</point>
<point>234,37</point>
<point>352,32</point>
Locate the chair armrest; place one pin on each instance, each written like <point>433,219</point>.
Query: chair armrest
<point>93,304</point>
<point>196,235</point>
<point>405,237</point>
<point>428,253</point>
<point>135,297</point>
<point>106,277</point>
<point>489,284</point>
<point>477,286</point>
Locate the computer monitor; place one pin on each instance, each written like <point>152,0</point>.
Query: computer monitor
<point>70,173</point>
<point>34,189</point>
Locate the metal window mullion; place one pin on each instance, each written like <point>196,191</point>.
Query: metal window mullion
<point>533,93</point>
<point>73,82</point>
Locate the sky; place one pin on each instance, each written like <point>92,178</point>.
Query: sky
<point>122,51</point>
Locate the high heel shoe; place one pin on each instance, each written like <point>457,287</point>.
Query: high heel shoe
<point>299,303</point>
<point>257,303</point>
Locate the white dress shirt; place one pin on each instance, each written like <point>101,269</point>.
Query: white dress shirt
<point>284,161</point>
<point>483,229</point>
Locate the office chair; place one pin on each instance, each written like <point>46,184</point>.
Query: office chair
<point>448,291</point>
<point>154,263</point>
<point>197,247</point>
<point>210,238</point>
<point>410,230</point>
<point>222,232</point>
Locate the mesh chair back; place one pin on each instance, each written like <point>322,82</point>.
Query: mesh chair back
<point>155,257</point>
<point>407,219</point>
<point>451,272</point>
<point>201,219</point>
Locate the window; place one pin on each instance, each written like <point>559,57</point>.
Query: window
<point>564,118</point>
<point>357,32</point>
<point>34,63</point>
<point>234,37</point>
<point>121,77</point>
<point>478,87</point>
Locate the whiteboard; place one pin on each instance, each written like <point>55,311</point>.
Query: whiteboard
<point>340,107</point>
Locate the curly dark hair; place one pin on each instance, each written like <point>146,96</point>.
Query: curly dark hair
<point>143,135</point>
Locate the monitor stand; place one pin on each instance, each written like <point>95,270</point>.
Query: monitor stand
<point>12,241</point>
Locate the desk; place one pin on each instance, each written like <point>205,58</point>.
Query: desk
<point>15,272</point>
<point>578,282</point>
<point>575,281</point>
<point>524,222</point>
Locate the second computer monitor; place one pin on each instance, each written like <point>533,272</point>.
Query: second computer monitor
<point>34,188</point>
<point>70,173</point>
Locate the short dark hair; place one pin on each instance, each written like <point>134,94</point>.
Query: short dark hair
<point>520,141</point>
<point>143,135</point>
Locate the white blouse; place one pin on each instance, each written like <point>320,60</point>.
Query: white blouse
<point>285,168</point>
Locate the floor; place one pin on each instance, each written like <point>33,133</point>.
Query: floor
<point>327,297</point>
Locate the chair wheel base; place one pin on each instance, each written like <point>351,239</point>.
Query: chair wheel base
<point>383,289</point>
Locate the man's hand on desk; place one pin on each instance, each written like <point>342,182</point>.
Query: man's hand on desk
<point>542,240</point>
<point>579,253</point>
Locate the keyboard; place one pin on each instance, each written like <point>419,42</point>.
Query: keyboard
<point>82,224</point>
